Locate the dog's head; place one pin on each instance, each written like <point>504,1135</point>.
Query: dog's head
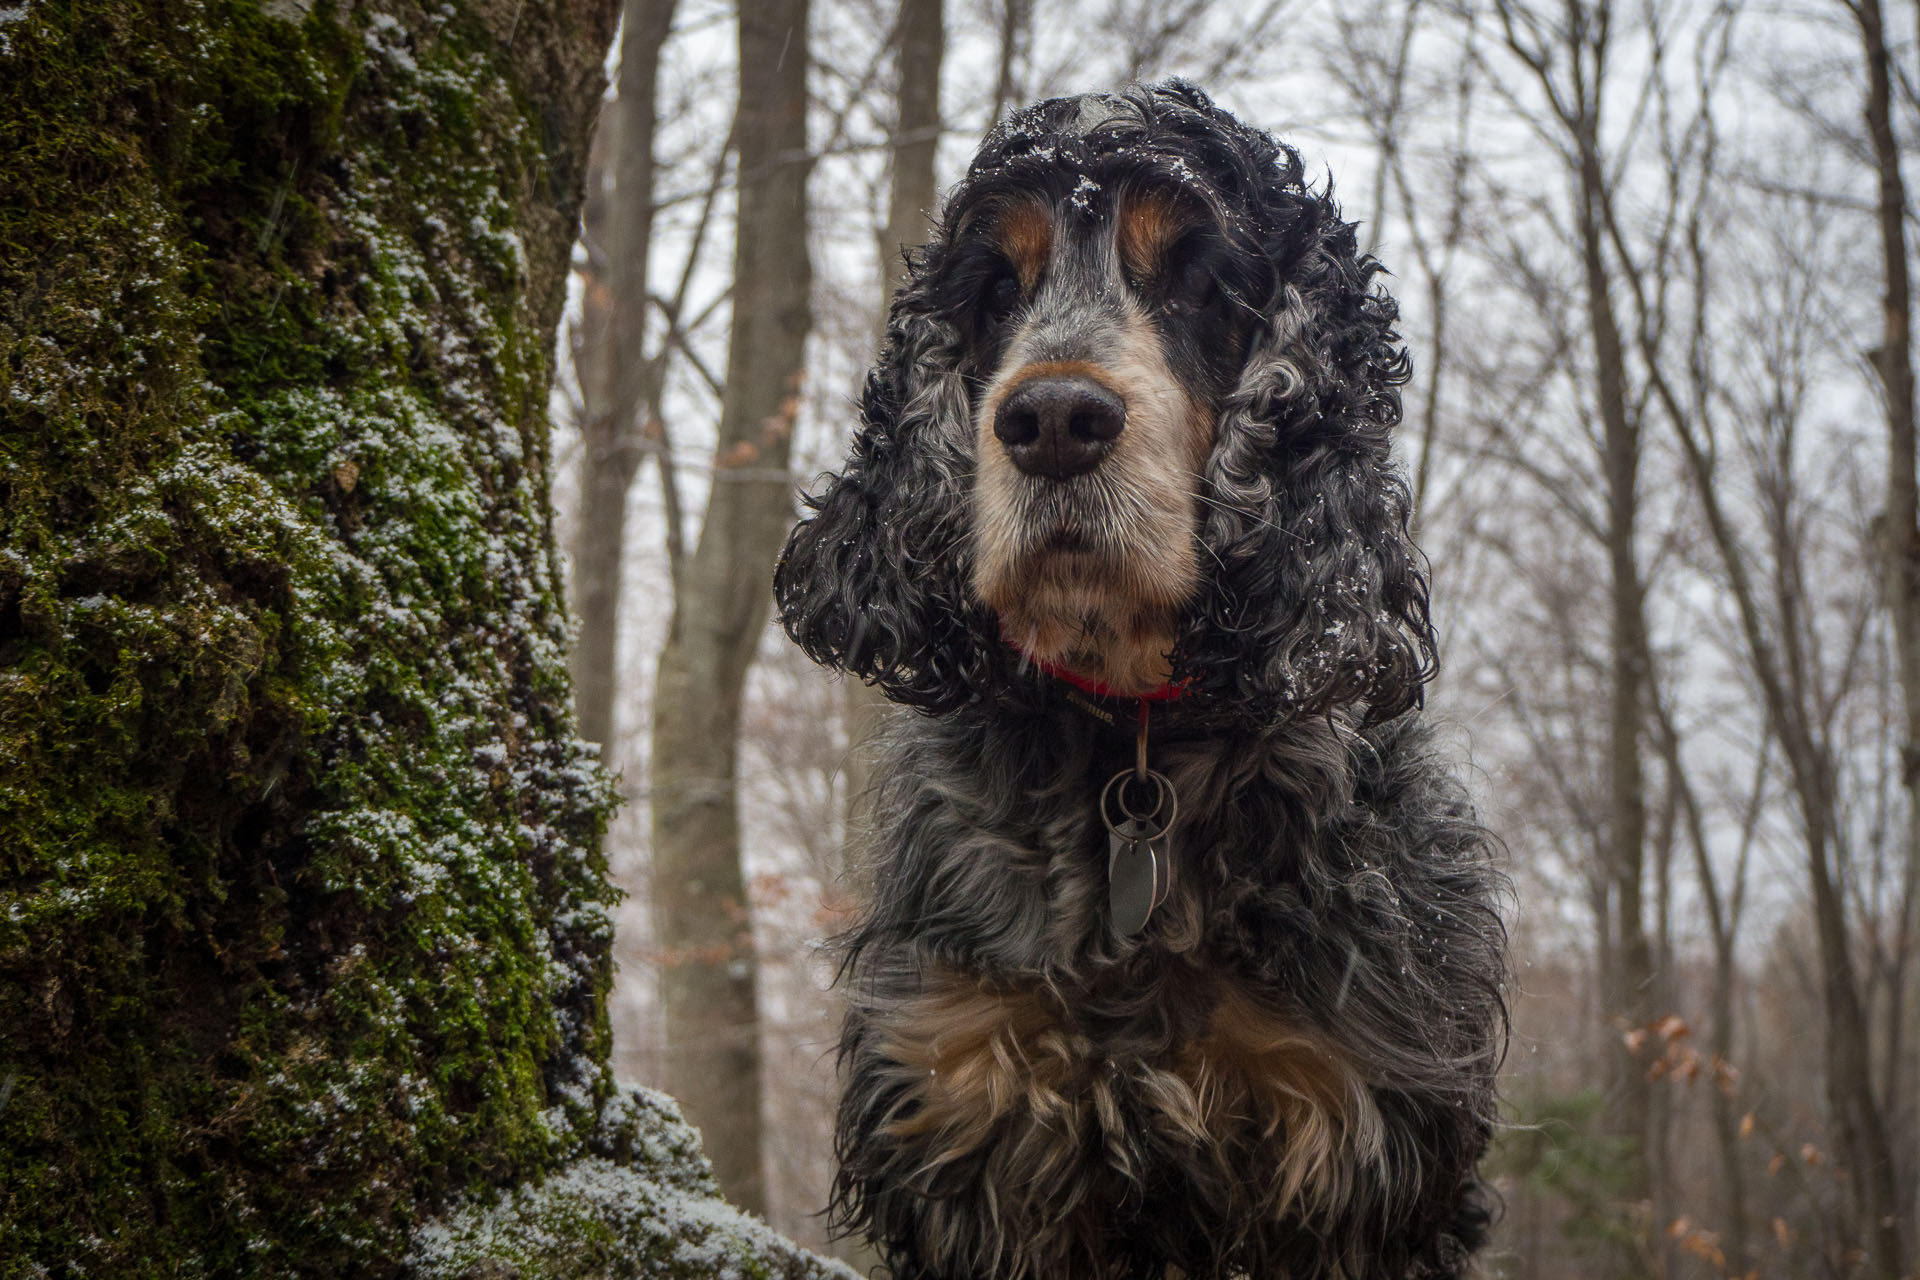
<point>1132,419</point>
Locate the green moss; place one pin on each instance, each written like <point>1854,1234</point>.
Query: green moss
<point>641,1204</point>
<point>304,927</point>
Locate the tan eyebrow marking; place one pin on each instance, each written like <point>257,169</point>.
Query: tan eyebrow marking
<point>1024,233</point>
<point>1149,223</point>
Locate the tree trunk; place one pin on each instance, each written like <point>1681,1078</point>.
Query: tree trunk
<point>303,921</point>
<point>1854,1112</point>
<point>916,141</point>
<point>921,46</point>
<point>1858,1120</point>
<point>614,381</point>
<point>1627,646</point>
<point>1900,544</point>
<point>1572,71</point>
<point>720,610</point>
<point>1016,37</point>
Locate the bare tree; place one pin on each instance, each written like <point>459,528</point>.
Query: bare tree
<point>1724,905</point>
<point>1899,529</point>
<point>720,610</point>
<point>1783,649</point>
<point>1566,49</point>
<point>1375,57</point>
<point>920,44</point>
<point>1014,23</point>
<point>610,363</point>
<point>1799,713</point>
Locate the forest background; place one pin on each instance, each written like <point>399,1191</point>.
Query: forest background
<point>1652,260</point>
<point>306,933</point>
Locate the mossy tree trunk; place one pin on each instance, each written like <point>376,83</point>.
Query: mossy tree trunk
<point>303,920</point>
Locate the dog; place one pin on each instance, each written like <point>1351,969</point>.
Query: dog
<point>1183,955</point>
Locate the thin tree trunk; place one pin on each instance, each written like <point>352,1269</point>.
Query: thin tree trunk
<point>1726,1124</point>
<point>699,899</point>
<point>916,139</point>
<point>1626,786</point>
<point>921,40</point>
<point>1723,919</point>
<point>1859,1119</point>
<point>1573,78</point>
<point>1900,541</point>
<point>1662,999</point>
<point>1856,1115</point>
<point>1016,31</point>
<point>614,383</point>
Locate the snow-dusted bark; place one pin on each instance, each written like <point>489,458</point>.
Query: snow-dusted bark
<point>303,918</point>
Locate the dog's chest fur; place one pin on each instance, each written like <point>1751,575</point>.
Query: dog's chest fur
<point>1092,1085</point>
<point>1005,1038</point>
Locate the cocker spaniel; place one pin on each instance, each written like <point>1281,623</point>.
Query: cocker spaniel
<point>1183,956</point>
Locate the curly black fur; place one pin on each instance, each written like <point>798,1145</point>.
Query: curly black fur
<point>1316,600</point>
<point>1330,876</point>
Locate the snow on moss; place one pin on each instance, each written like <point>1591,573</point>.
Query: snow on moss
<point>654,1212</point>
<point>307,926</point>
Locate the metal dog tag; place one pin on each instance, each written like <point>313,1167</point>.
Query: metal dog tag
<point>1137,879</point>
<point>1139,856</point>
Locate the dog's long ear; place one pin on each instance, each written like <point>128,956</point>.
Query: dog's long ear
<point>1320,600</point>
<point>873,581</point>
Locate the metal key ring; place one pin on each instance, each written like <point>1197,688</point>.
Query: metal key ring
<point>1165,799</point>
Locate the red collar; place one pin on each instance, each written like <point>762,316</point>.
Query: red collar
<point>1100,689</point>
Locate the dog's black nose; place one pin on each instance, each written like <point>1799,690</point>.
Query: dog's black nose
<point>1059,426</point>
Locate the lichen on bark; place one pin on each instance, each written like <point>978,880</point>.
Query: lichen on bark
<point>303,918</point>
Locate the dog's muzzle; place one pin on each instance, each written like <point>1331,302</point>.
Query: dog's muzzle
<point>1059,427</point>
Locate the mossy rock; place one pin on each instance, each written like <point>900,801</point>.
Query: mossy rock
<point>304,927</point>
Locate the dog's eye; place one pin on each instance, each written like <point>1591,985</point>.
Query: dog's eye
<point>1190,285</point>
<point>1002,296</point>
